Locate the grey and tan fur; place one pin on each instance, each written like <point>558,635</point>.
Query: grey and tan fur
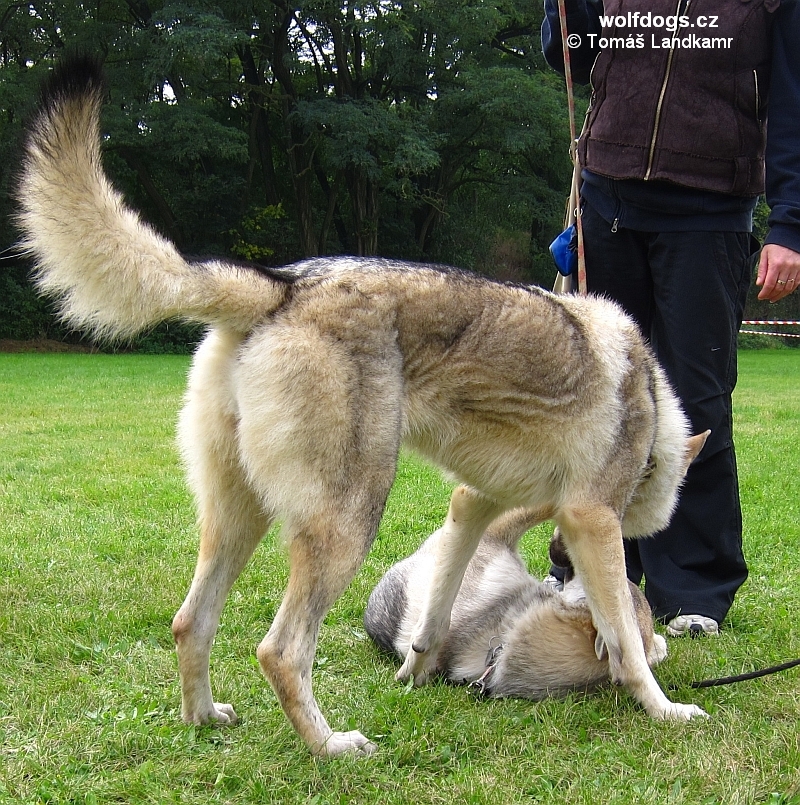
<point>309,379</point>
<point>548,644</point>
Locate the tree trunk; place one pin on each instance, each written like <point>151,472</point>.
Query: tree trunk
<point>260,134</point>
<point>300,157</point>
<point>364,199</point>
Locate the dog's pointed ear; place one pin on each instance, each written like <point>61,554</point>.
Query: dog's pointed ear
<point>694,445</point>
<point>600,648</point>
<point>559,556</point>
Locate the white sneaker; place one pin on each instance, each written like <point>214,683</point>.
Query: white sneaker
<point>692,625</point>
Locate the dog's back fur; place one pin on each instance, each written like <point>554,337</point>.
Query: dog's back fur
<point>311,376</point>
<point>538,642</point>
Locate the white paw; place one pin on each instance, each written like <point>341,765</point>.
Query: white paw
<point>340,743</point>
<point>658,651</point>
<point>224,715</point>
<point>419,665</point>
<point>221,715</point>
<point>681,712</point>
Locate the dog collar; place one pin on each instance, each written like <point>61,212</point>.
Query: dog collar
<point>481,684</point>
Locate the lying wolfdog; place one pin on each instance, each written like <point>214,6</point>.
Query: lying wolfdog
<point>309,379</point>
<point>510,635</point>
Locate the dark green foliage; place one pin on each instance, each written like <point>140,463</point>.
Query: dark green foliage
<point>272,131</point>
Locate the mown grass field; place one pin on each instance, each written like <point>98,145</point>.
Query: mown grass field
<point>97,544</point>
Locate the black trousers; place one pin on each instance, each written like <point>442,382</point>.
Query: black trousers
<point>687,292</point>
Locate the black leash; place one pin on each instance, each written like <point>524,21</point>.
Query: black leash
<point>480,686</point>
<point>729,680</point>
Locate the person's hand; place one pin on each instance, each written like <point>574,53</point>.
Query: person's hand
<point>778,272</point>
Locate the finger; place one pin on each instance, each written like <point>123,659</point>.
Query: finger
<point>770,290</point>
<point>763,267</point>
<point>781,290</point>
<point>768,276</point>
<point>772,287</point>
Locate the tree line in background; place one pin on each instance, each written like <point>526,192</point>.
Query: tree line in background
<point>270,131</point>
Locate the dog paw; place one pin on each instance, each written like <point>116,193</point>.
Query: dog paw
<point>658,651</point>
<point>342,743</point>
<point>418,665</point>
<point>224,715</point>
<point>220,715</point>
<point>682,712</point>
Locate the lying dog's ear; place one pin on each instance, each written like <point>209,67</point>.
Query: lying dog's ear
<point>694,445</point>
<point>559,556</point>
<point>600,648</point>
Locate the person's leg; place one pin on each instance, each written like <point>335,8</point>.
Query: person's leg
<point>617,268</point>
<point>696,565</point>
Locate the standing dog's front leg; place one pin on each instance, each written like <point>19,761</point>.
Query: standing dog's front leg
<point>593,538</point>
<point>467,518</point>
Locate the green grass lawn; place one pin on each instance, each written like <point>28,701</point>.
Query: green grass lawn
<point>97,544</point>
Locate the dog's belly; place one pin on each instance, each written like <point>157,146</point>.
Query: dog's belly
<point>507,464</point>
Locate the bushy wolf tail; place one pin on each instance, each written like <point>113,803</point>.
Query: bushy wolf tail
<point>111,273</point>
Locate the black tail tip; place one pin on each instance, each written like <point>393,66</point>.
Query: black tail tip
<point>75,75</point>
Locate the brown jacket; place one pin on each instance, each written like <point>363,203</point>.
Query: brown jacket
<point>690,111</point>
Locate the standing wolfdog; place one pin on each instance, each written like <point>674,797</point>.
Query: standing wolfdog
<point>309,379</point>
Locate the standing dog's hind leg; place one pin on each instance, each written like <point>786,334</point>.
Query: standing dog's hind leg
<point>232,520</point>
<point>320,427</point>
<point>467,518</point>
<point>224,551</point>
<point>231,526</point>
<point>323,558</point>
<point>593,539</point>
